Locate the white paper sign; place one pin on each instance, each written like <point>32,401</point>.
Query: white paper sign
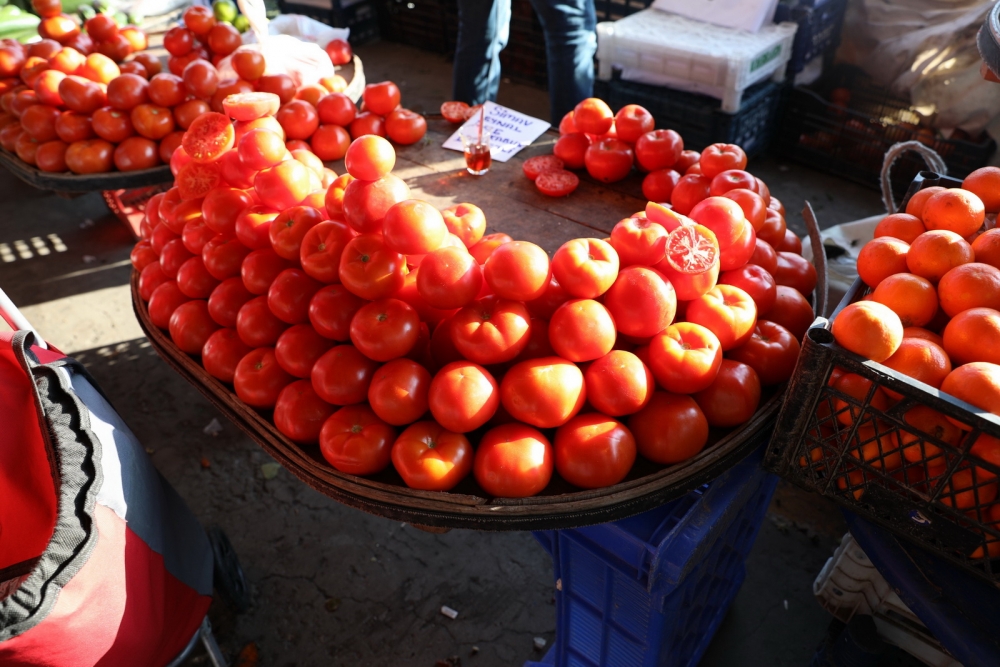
<point>509,131</point>
<point>749,15</point>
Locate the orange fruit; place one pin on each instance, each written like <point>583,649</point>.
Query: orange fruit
<point>911,297</point>
<point>879,450</point>
<point>956,210</point>
<point>992,543</point>
<point>967,486</point>
<point>916,204</point>
<point>987,247</point>
<point>926,422</point>
<point>974,285</point>
<point>976,383</point>
<point>853,482</point>
<point>973,335</point>
<point>935,253</point>
<point>858,388</point>
<point>920,359</point>
<point>985,184</point>
<point>920,332</point>
<point>902,226</point>
<point>881,258</point>
<point>868,328</point>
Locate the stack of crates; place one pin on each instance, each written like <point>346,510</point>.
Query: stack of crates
<point>358,15</point>
<point>652,589</point>
<point>816,39</point>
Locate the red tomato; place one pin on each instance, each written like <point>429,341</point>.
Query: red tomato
<point>740,252</point>
<point>658,149</point>
<point>199,20</point>
<point>81,95</point>
<point>339,51</point>
<point>299,413</point>
<point>733,397</point>
<point>513,461</point>
<point>582,330</point>
<point>334,199</point>
<point>46,87</point>
<point>149,62</point>
<point>413,227</point>
<point>136,153</point>
<point>47,8</point>
<point>223,39</point>
<point>201,79</point>
<point>722,216</point>
<point>354,440</point>
<point>632,121</point>
<point>369,269</point>
<point>430,458</point>
<point>466,221</point>
<point>670,429</point>
<point>792,243</point>
<point>222,353</point>
<point>166,90</point>
<point>449,278</point>
<point>491,330</point>
<point>142,255</point>
<point>641,302</point>
<point>751,204</point>
<point>540,164</point>
<point>728,311</point>
<point>299,119</point>
<point>226,300</point>
<point>593,451</point>
<point>178,41</point>
<point>690,190</point>
<point>112,125</point>
<point>557,183</point>
<point>593,116</point>
<point>518,270</point>
<point>370,158</point>
<point>405,127</point>
<point>342,375</point>
<point>545,392</point>
<point>398,392</point>
<point>73,126</point>
<point>222,206</point>
<point>336,109</point>
<point>194,281</point>
<point>685,357</point>
<point>281,85</point>
<point>618,383</point>
<point>718,158</point>
<point>39,121</point>
<point>638,241</point>
<point>381,98</point>
<point>191,325</point>
<point>250,106</point>
<point>196,179</point>
<point>365,203</point>
<point>774,228</point>
<point>163,301</point>
<point>385,329</point>
<point>572,149</point>
<point>209,136</point>
<point>796,272</point>
<point>366,123</point>
<point>755,281</point>
<point>772,352</point>
<point>586,268</point>
<point>331,310</point>
<point>659,185</point>
<point>330,142</point>
<point>732,179</point>
<point>170,145</point>
<point>764,256</point>
<point>288,296</point>
<point>290,227</point>
<point>259,379</point>
<point>463,396</point>
<point>299,348</point>
<point>51,157</point>
<point>484,249</point>
<point>260,149</point>
<point>152,121</point>
<point>283,185</point>
<point>257,325</point>
<point>455,112</point>
<point>792,311</point>
<point>321,250</point>
<point>608,160</point>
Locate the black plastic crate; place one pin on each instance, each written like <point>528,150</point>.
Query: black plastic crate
<point>844,124</point>
<point>851,451</point>
<point>430,25</point>
<point>359,16</point>
<point>819,23</point>
<point>612,10</point>
<point>699,118</point>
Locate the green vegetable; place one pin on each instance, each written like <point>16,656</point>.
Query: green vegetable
<point>10,11</point>
<point>87,12</point>
<point>241,23</point>
<point>10,27</point>
<point>225,10</point>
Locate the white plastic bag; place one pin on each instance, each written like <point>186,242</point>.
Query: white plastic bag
<point>291,44</point>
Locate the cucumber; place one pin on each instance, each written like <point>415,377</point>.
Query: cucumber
<point>10,11</point>
<point>18,24</point>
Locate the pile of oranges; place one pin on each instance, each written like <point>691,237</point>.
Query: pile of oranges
<point>933,314</point>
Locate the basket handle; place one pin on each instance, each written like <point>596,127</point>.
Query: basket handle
<point>17,321</point>
<point>934,162</point>
<point>819,260</point>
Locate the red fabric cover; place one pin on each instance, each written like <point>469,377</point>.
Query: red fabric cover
<point>27,489</point>
<point>111,613</point>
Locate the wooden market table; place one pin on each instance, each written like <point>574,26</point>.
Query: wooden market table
<point>512,205</point>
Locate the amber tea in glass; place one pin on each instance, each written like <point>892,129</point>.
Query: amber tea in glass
<point>477,150</point>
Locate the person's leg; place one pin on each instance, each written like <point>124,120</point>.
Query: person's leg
<point>570,45</point>
<point>483,29</point>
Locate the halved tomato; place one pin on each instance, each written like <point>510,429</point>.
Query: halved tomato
<point>208,137</point>
<point>251,106</point>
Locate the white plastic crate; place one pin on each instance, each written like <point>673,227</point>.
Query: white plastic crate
<point>849,584</point>
<point>664,49</point>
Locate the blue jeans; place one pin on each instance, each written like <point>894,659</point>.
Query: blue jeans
<point>570,45</point>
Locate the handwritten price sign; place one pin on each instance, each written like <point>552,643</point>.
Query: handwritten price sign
<point>509,131</point>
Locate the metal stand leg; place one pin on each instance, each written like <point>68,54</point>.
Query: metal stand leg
<point>211,646</point>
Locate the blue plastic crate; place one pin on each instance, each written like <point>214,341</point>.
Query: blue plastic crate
<point>699,118</point>
<point>819,22</point>
<point>652,589</point>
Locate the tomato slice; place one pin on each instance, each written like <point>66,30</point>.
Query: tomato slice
<point>557,183</point>
<point>197,179</point>
<point>251,106</point>
<point>208,137</point>
<point>666,216</point>
<point>455,112</point>
<point>535,166</point>
<point>692,249</point>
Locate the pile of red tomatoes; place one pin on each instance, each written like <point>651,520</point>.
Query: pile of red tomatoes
<point>388,332</point>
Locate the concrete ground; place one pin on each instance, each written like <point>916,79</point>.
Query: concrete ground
<point>332,585</point>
